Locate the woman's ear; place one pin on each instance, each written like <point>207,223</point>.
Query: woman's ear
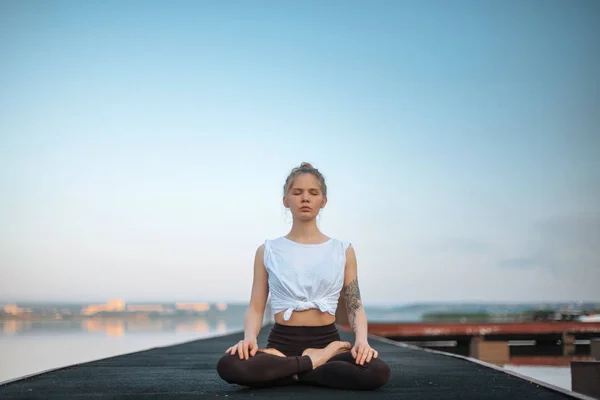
<point>285,203</point>
<point>324,202</point>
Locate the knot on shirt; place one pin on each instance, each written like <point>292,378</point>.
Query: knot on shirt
<point>305,305</point>
<point>301,305</point>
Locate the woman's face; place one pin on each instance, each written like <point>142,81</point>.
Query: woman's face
<point>305,197</point>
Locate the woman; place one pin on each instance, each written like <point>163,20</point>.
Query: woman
<point>305,272</point>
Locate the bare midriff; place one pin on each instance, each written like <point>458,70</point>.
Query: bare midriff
<point>313,317</point>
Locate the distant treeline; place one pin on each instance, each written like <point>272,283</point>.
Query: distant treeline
<point>464,316</point>
<point>529,315</point>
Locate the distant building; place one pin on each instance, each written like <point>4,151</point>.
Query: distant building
<point>14,310</point>
<point>111,306</point>
<point>146,308</point>
<point>193,306</point>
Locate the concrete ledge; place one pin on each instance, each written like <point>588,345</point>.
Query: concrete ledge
<point>492,351</point>
<point>568,344</point>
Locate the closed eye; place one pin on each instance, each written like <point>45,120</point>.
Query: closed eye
<point>313,192</point>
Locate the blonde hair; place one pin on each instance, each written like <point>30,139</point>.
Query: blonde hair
<point>305,168</point>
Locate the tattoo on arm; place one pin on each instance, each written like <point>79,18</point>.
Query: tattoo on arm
<point>351,294</point>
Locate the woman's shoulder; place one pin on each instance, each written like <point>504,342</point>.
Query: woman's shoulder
<point>273,243</point>
<point>273,240</point>
<point>345,243</point>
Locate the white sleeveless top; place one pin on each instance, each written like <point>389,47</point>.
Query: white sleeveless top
<point>305,276</point>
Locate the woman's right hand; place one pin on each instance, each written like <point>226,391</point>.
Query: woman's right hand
<point>245,348</point>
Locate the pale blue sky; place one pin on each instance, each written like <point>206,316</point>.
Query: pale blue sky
<point>144,146</point>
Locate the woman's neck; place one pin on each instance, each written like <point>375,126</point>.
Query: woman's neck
<point>305,231</point>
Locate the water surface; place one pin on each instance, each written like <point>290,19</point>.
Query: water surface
<point>29,348</point>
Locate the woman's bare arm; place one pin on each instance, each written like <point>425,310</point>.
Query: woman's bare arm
<point>357,316</point>
<point>258,298</point>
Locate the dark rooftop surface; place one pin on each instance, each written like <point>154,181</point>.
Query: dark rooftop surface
<point>188,371</point>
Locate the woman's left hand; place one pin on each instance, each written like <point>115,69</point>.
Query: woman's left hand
<point>362,352</point>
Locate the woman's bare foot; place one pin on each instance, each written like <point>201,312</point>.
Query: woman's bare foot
<point>321,356</point>
<point>275,352</point>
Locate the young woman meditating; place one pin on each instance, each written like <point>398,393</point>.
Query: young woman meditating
<point>305,272</point>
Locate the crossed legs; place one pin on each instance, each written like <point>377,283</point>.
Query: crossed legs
<point>332,366</point>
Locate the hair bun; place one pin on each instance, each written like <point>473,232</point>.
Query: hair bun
<point>305,168</point>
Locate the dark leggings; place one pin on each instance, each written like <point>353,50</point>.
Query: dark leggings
<point>340,372</point>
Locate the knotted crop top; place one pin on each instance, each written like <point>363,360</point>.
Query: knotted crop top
<point>304,276</point>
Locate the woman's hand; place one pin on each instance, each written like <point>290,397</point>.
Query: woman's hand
<point>245,348</point>
<point>362,352</point>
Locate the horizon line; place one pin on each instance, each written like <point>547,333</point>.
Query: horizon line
<point>367,304</point>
